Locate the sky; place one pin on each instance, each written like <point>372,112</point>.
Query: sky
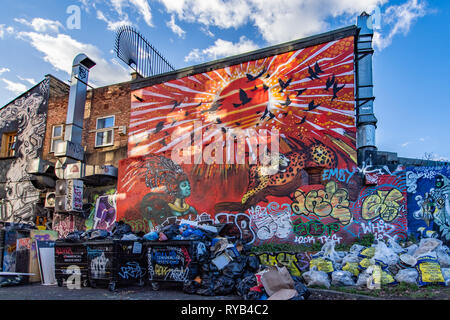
<point>410,65</point>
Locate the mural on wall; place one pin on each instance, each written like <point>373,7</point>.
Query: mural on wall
<point>304,100</point>
<point>30,114</point>
<point>103,210</point>
<point>429,202</point>
<point>65,223</point>
<point>158,188</point>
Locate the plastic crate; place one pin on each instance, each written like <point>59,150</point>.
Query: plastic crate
<point>70,258</point>
<point>116,262</point>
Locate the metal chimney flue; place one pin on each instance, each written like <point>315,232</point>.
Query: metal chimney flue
<point>77,98</point>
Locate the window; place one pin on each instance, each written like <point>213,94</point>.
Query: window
<point>9,144</point>
<point>104,135</point>
<point>57,136</point>
<point>315,175</point>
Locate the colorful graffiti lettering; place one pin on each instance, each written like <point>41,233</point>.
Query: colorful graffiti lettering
<point>330,201</point>
<point>314,228</point>
<point>385,203</point>
<point>132,270</point>
<point>342,175</point>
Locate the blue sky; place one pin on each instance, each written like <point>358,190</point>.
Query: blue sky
<point>411,71</point>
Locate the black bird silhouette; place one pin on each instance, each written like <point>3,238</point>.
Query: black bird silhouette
<point>199,104</point>
<point>237,123</point>
<point>300,92</point>
<point>283,84</point>
<point>138,98</point>
<point>218,121</point>
<point>285,114</point>
<point>175,104</point>
<point>317,69</point>
<point>159,126</point>
<point>243,97</point>
<point>163,142</point>
<point>253,78</point>
<point>268,76</point>
<point>330,82</point>
<point>265,87</point>
<point>271,115</point>
<point>287,103</point>
<point>312,74</point>
<point>311,106</point>
<point>254,89</point>
<point>216,105</point>
<point>186,113</point>
<point>336,89</point>
<point>302,121</point>
<point>224,130</point>
<point>266,112</point>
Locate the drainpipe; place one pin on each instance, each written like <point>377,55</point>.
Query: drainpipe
<point>366,122</point>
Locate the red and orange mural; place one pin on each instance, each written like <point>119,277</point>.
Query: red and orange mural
<point>303,99</point>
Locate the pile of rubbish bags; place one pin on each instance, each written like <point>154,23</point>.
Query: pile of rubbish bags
<point>226,266</point>
<point>120,231</point>
<point>383,263</point>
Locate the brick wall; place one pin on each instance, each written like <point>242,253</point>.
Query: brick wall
<point>105,101</point>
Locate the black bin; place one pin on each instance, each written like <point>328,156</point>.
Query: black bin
<point>70,258</point>
<point>116,262</point>
<point>173,261</point>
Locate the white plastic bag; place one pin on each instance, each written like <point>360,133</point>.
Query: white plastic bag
<point>351,257</point>
<point>384,254</point>
<point>362,279</point>
<point>408,259</point>
<point>408,275</point>
<point>443,256</point>
<point>411,249</point>
<point>394,246</point>
<point>342,278</point>
<point>446,275</point>
<point>356,248</point>
<point>427,245</point>
<point>316,278</point>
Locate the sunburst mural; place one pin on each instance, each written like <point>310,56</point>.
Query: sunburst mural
<point>305,95</point>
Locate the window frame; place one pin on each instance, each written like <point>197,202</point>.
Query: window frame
<point>103,130</point>
<point>55,138</point>
<point>6,146</point>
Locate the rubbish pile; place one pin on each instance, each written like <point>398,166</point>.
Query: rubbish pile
<point>225,266</point>
<point>383,263</point>
<point>120,231</point>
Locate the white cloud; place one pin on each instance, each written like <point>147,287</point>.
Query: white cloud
<point>175,28</point>
<point>29,80</point>
<point>4,30</point>
<point>42,25</point>
<point>401,18</point>
<point>113,25</point>
<point>276,20</point>
<point>3,70</point>
<point>60,50</point>
<point>221,48</point>
<point>141,6</point>
<point>15,87</point>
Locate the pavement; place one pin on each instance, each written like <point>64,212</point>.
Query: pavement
<point>166,291</point>
<point>37,291</point>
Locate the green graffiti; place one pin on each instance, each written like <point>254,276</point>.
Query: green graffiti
<point>314,228</point>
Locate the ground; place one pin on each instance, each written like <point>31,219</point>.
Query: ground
<point>169,291</point>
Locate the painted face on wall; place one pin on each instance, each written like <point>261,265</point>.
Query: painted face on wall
<point>184,189</point>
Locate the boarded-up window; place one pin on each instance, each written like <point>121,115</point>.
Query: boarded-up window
<point>315,175</point>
